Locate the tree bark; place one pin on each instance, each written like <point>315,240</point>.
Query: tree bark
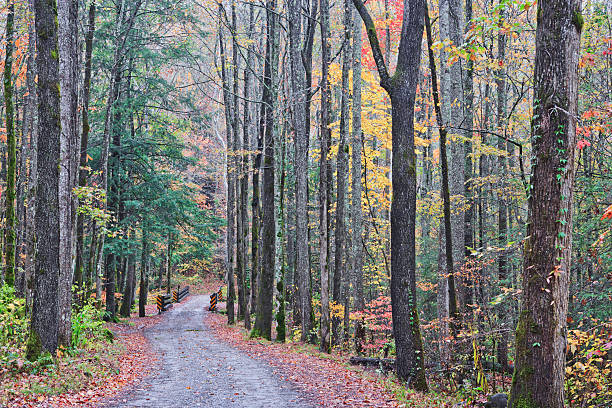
<point>340,294</point>
<point>45,320</point>
<point>238,174</point>
<point>244,177</point>
<point>231,177</point>
<point>263,321</point>
<point>126,305</point>
<point>445,190</point>
<point>68,35</point>
<point>324,178</point>
<point>299,94</point>
<point>539,371</point>
<point>356,212</point>
<point>144,273</point>
<point>11,143</point>
<point>31,102</point>
<point>79,266</point>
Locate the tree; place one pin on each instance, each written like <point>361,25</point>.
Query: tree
<point>356,212</point>
<point>68,58</point>
<point>300,112</point>
<point>263,321</point>
<point>231,177</point>
<point>325,177</point>
<point>45,321</point>
<point>447,238</point>
<point>82,180</point>
<point>401,88</point>
<point>539,369</point>
<point>340,293</point>
<point>11,143</point>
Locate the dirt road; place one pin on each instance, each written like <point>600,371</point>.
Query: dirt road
<point>198,370</point>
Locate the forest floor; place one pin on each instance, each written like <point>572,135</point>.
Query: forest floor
<point>81,378</point>
<point>189,356</point>
<point>328,378</point>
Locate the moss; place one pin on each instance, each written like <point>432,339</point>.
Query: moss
<point>54,54</point>
<point>523,371</point>
<point>524,402</point>
<point>578,20</point>
<point>34,346</point>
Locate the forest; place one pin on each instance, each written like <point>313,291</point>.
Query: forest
<point>395,203</point>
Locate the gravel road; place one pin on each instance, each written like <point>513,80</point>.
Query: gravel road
<point>200,371</point>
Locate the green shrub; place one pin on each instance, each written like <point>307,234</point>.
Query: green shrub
<point>13,321</point>
<point>88,326</point>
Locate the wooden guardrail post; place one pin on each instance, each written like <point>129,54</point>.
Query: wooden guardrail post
<point>213,302</point>
<point>164,302</point>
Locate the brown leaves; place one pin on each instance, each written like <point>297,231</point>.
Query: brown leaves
<point>327,379</point>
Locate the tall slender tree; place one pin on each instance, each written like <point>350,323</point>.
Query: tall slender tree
<point>82,181</point>
<point>10,240</point>
<point>299,95</point>
<point>230,174</point>
<point>68,37</point>
<point>401,88</point>
<point>340,293</point>
<point>263,321</point>
<point>356,189</point>
<point>324,176</point>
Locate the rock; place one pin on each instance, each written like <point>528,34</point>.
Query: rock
<point>497,401</point>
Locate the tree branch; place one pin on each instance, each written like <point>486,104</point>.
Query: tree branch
<point>385,79</point>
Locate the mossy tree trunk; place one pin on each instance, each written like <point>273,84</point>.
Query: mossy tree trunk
<point>539,369</point>
<point>263,321</point>
<point>45,320</point>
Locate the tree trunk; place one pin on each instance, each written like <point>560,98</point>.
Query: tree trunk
<point>324,177</point>
<point>340,293</point>
<point>231,177</point>
<point>126,306</point>
<point>240,216</point>
<point>169,249</point>
<point>45,320</point>
<point>298,93</point>
<point>539,369</point>
<point>445,190</point>
<point>502,211</point>
<point>68,35</point>
<point>356,213</point>
<point>401,88</point>
<point>79,268</point>
<point>144,270</point>
<point>263,321</point>
<point>33,159</point>
<point>469,216</point>
<point>11,143</point>
<point>244,176</point>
